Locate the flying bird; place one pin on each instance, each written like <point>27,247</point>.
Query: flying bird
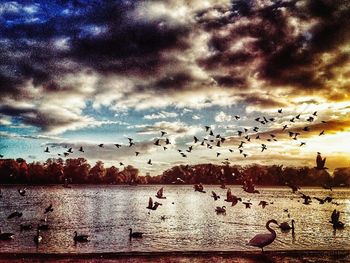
<point>48,209</point>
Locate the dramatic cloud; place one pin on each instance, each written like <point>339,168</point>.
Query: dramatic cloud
<point>77,67</point>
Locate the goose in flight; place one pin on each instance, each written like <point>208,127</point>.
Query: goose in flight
<point>157,142</point>
<point>215,195</point>
<point>152,206</point>
<point>160,193</point>
<point>163,133</point>
<point>263,240</point>
<point>263,204</point>
<point>220,210</point>
<point>320,163</point>
<point>337,224</point>
<point>48,209</point>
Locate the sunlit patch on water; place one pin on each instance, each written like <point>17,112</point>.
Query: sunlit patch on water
<point>107,212</point>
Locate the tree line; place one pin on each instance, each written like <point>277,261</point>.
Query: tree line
<point>79,171</point>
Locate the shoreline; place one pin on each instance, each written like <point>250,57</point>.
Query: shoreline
<point>184,256</point>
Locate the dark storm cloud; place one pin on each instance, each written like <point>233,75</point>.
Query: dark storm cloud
<point>101,35</point>
<point>285,57</point>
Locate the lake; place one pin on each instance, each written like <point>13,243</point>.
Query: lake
<point>107,212</point>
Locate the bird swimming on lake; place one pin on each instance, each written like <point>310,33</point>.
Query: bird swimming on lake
<point>47,150</point>
<point>80,238</point>
<point>22,191</point>
<point>81,149</point>
<point>149,162</point>
<point>286,227</point>
<point>37,237</point>
<point>135,234</point>
<point>263,240</point>
<point>25,227</point>
<point>6,236</point>
<point>15,214</point>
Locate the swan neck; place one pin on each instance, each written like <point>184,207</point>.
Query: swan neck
<point>270,229</point>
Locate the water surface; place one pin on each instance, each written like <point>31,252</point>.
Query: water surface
<point>107,212</point>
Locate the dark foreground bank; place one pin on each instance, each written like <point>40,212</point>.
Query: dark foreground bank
<point>193,257</point>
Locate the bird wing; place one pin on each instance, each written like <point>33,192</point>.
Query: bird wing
<point>261,240</point>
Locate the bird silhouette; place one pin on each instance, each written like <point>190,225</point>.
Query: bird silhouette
<point>48,209</point>
<point>152,206</point>
<point>263,240</point>
<point>320,163</point>
<point>215,196</point>
<point>46,150</point>
<point>263,204</point>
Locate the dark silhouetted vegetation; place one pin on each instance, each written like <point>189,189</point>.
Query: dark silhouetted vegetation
<point>79,171</point>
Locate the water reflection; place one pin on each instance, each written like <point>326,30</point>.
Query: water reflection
<point>106,213</point>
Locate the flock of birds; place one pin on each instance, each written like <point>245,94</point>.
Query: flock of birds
<point>244,136</point>
<point>210,141</point>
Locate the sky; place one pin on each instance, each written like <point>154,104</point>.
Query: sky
<point>81,73</point>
